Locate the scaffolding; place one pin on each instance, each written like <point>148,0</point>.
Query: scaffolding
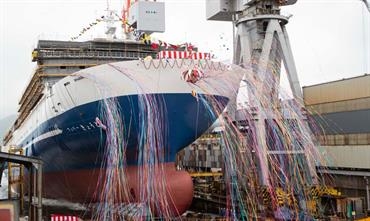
<point>34,168</point>
<point>58,59</point>
<point>16,178</point>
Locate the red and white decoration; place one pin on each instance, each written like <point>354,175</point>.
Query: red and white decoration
<point>184,54</point>
<point>55,217</point>
<point>192,75</point>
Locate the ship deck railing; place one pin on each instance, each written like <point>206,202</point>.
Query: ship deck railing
<point>93,54</point>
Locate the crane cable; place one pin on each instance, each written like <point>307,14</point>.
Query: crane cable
<point>367,5</point>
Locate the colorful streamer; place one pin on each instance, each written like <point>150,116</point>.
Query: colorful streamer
<point>269,168</point>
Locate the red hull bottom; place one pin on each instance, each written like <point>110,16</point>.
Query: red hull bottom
<point>82,186</point>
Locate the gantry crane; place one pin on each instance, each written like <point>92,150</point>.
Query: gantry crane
<point>260,42</point>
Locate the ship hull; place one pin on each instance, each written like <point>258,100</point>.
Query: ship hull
<point>74,149</point>
<point>73,140</point>
<point>81,186</point>
<point>70,128</point>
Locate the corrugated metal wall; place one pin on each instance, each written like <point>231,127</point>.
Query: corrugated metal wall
<point>342,110</point>
<point>340,106</point>
<point>345,139</point>
<point>347,89</point>
<point>347,122</point>
<point>350,156</point>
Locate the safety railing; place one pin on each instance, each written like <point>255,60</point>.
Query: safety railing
<point>94,54</point>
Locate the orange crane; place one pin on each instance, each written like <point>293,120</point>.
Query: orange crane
<point>125,14</point>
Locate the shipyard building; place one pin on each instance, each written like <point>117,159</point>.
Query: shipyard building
<point>340,117</point>
<point>341,110</point>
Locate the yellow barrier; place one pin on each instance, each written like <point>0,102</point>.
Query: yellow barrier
<point>206,174</point>
<point>364,219</point>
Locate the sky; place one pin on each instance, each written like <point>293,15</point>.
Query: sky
<point>330,39</point>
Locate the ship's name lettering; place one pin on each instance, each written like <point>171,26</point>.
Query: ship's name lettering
<point>150,12</point>
<point>87,126</point>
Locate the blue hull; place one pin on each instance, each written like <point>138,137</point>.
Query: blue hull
<point>80,145</point>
